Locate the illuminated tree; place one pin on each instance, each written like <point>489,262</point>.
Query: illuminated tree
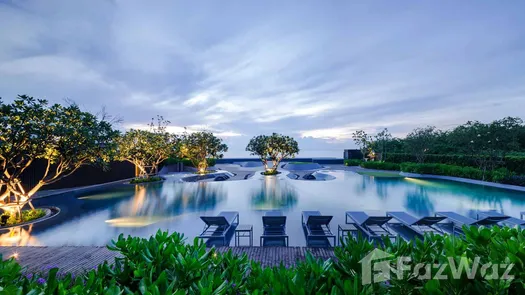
<point>274,148</point>
<point>64,137</point>
<point>198,147</point>
<point>146,149</point>
<point>363,141</point>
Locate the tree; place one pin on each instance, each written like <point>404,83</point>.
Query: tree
<point>65,137</point>
<point>199,146</point>
<point>147,149</point>
<point>363,141</point>
<point>488,143</point>
<point>382,140</point>
<point>274,147</point>
<point>420,140</point>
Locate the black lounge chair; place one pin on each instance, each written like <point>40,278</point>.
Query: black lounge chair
<point>317,228</point>
<point>459,220</point>
<point>219,226</point>
<point>373,227</point>
<point>274,229</point>
<point>513,221</point>
<point>427,224</point>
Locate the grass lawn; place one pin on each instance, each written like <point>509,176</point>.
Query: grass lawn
<point>380,173</point>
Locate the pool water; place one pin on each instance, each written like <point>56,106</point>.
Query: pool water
<point>98,216</point>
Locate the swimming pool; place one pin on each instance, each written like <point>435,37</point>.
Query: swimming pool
<point>97,216</point>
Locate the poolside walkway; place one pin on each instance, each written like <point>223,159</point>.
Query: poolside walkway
<point>77,259</point>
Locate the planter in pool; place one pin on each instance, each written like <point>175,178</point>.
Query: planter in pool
<point>50,213</point>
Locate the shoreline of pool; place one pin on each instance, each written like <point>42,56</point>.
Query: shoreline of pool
<point>464,180</point>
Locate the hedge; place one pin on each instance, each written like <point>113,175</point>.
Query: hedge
<point>165,264</point>
<point>500,175</point>
<point>381,165</point>
<point>496,175</point>
<point>514,164</point>
<point>352,162</point>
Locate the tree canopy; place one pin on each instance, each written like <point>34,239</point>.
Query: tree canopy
<point>363,141</point>
<point>419,141</point>
<point>200,146</point>
<point>274,147</point>
<point>65,137</point>
<point>147,149</point>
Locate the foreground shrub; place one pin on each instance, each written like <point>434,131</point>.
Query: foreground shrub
<point>381,165</point>
<point>164,264</point>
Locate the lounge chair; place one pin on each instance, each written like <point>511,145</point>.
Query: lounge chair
<point>219,226</point>
<point>459,220</point>
<point>427,224</point>
<point>317,228</point>
<point>373,227</point>
<point>510,220</point>
<point>274,229</point>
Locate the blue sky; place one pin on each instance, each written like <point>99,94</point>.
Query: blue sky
<point>315,70</point>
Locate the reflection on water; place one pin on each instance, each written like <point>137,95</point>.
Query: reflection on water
<point>159,202</point>
<point>418,202</point>
<point>97,216</point>
<point>274,194</point>
<point>18,236</point>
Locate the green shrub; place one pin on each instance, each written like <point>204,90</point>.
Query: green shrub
<point>146,180</point>
<point>164,264</point>
<point>513,163</point>
<point>270,172</point>
<point>381,165</point>
<point>353,162</point>
<point>497,175</point>
<point>514,180</point>
<point>27,215</point>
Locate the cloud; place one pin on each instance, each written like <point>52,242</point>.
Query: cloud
<point>197,99</point>
<point>313,71</point>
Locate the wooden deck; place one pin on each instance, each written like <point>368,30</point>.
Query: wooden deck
<point>79,259</point>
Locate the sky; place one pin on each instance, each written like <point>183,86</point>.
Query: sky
<point>314,70</point>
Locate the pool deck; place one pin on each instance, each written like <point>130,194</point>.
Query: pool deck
<point>78,259</point>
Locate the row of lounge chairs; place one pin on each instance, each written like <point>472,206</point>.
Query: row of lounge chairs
<point>317,229</point>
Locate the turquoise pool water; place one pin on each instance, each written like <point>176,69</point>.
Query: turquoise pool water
<point>96,217</point>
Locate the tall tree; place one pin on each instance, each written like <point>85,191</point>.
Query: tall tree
<point>198,147</point>
<point>275,148</point>
<point>382,140</point>
<point>64,137</point>
<point>420,141</point>
<point>146,149</point>
<point>363,141</point>
<point>488,143</point>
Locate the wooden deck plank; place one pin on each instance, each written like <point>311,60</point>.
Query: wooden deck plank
<point>77,259</point>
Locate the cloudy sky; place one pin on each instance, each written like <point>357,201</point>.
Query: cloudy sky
<point>315,70</point>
